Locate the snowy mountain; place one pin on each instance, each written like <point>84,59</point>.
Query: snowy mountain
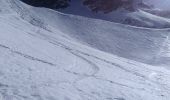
<point>131,12</point>
<point>121,15</point>
<point>48,55</point>
<point>159,12</point>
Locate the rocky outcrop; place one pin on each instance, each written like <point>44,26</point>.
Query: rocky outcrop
<point>107,6</point>
<point>53,4</point>
<point>104,6</point>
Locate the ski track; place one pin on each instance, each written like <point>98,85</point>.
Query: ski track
<point>80,54</point>
<point>96,69</point>
<point>27,56</point>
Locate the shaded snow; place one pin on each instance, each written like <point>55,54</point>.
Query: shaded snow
<point>137,18</point>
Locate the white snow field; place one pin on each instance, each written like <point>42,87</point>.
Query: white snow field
<point>47,55</point>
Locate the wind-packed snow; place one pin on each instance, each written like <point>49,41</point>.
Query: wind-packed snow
<point>47,55</point>
<point>138,18</point>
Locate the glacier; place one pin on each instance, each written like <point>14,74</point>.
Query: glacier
<point>48,55</point>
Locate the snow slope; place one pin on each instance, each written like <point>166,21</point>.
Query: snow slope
<point>46,59</point>
<point>120,16</point>
<point>159,12</point>
<point>140,44</point>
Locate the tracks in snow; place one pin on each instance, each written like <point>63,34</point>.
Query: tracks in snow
<point>27,56</point>
<point>79,54</point>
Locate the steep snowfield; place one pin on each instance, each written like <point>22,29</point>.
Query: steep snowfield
<point>140,44</point>
<point>46,55</point>
<point>138,18</point>
<point>159,12</point>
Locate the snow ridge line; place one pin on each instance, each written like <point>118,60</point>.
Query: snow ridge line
<point>26,15</point>
<point>27,56</point>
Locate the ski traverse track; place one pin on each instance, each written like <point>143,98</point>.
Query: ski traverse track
<point>96,69</point>
<point>78,58</point>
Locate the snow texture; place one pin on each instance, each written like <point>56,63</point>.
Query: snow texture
<point>48,55</point>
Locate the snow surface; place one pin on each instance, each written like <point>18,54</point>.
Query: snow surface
<point>47,55</point>
<point>120,16</point>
